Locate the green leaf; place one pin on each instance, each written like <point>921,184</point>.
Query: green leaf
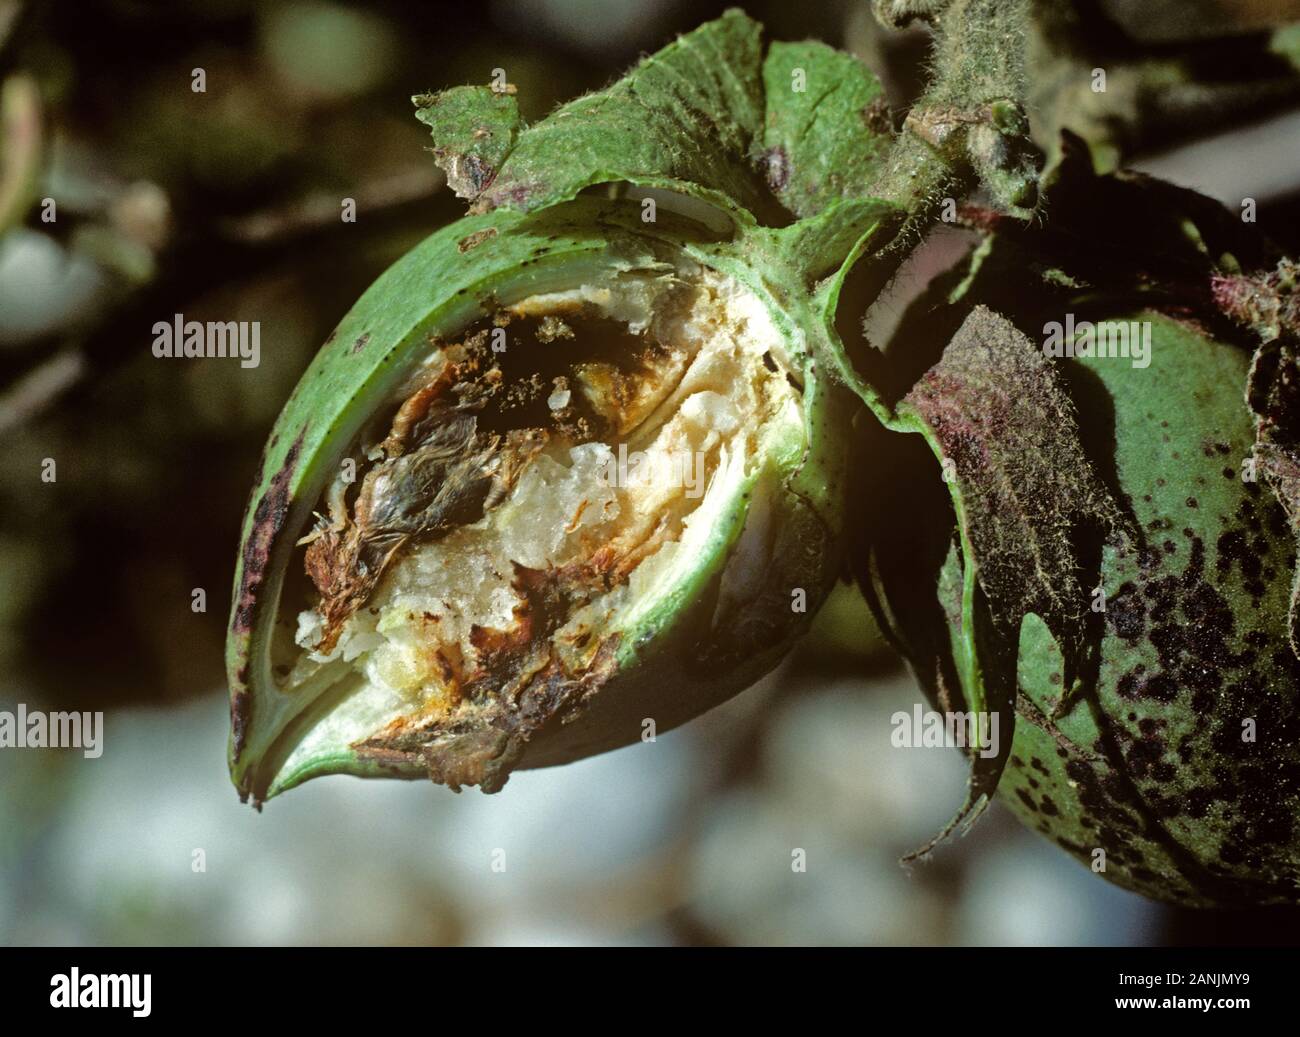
<point>474,128</point>
<point>827,128</point>
<point>684,118</point>
<point>708,116</point>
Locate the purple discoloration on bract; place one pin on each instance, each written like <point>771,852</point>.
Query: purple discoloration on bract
<point>268,518</point>
<point>516,195</point>
<point>241,716</point>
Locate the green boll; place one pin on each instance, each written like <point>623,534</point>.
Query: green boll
<point>1182,763</point>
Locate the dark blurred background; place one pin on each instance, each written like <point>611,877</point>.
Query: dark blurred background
<point>225,204</point>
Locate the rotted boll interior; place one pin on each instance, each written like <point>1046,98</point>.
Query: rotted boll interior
<point>536,486</point>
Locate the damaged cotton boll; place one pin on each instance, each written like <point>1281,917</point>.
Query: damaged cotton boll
<point>595,441</point>
<point>499,535</point>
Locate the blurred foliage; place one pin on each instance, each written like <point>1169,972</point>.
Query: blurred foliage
<point>193,158</point>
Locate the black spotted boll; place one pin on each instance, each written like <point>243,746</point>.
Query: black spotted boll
<point>1157,733</point>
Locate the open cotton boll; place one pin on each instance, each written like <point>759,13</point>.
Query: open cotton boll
<point>595,470</point>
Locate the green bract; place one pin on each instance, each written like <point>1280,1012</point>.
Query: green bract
<point>447,569</point>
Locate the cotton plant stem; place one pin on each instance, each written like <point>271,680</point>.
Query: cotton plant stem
<point>968,127</point>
